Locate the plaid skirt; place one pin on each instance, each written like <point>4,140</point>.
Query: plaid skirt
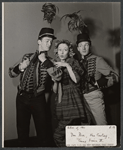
<point>71,105</point>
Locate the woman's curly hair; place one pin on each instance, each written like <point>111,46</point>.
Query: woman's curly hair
<point>69,44</point>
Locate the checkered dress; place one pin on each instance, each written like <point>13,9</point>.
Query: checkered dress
<point>72,110</point>
<point>71,105</point>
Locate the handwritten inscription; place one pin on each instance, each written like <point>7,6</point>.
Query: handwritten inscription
<point>91,136</point>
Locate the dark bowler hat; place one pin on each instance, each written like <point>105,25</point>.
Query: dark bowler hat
<point>82,38</point>
<point>46,32</point>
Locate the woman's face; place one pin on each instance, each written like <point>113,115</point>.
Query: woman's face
<point>63,51</point>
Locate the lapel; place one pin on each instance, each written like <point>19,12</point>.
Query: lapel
<point>37,66</point>
<point>25,72</point>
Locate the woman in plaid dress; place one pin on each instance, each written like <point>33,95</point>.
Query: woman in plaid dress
<point>70,109</point>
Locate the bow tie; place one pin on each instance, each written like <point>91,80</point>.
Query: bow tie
<point>42,52</point>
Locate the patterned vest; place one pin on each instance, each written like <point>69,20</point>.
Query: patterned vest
<point>36,81</point>
<point>89,66</point>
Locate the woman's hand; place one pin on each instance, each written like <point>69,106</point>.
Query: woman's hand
<point>61,64</point>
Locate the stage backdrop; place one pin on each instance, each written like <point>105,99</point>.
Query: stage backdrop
<point>22,23</point>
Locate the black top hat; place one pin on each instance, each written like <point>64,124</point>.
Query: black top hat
<point>46,32</point>
<point>83,37</point>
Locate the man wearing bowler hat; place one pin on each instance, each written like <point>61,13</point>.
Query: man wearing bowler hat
<point>35,84</point>
<point>98,75</point>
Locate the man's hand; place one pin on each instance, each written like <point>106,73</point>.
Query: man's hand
<point>91,80</point>
<point>24,64</point>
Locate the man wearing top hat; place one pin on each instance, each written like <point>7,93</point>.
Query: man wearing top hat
<point>35,84</point>
<point>97,75</point>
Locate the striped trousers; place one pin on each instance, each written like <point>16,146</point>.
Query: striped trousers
<point>97,106</point>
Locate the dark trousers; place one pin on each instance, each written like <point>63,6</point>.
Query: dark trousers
<point>28,105</point>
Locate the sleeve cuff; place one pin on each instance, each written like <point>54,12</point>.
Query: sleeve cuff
<point>16,69</point>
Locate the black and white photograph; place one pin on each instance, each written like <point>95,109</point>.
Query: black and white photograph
<point>61,74</point>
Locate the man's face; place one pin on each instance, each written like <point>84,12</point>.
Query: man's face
<point>83,48</point>
<point>46,43</point>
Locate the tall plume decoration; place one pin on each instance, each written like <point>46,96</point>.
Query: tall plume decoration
<point>76,22</point>
<point>49,11</point>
